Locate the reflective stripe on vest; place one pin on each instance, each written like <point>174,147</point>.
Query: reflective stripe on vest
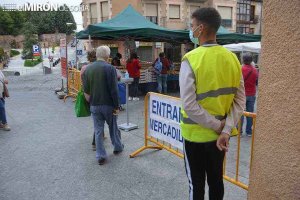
<point>216,93</point>
<point>190,121</point>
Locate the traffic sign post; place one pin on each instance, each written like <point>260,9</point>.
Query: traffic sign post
<point>36,50</point>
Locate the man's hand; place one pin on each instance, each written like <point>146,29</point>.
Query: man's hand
<point>87,97</point>
<point>219,131</point>
<point>116,111</point>
<point>223,142</point>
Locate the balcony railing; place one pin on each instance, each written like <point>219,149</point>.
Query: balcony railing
<point>152,19</point>
<point>197,1</point>
<point>93,20</point>
<point>226,23</point>
<point>243,22</point>
<point>254,19</point>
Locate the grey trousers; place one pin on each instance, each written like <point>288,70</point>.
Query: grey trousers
<point>102,114</point>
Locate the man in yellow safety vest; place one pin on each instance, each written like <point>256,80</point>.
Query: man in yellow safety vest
<point>213,100</point>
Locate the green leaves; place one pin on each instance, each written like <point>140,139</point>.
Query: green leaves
<point>53,21</point>
<point>1,53</point>
<point>29,31</point>
<point>12,22</point>
<point>6,23</point>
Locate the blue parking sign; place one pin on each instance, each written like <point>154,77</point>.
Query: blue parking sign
<point>79,52</point>
<point>36,50</point>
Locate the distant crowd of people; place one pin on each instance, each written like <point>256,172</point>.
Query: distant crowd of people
<point>161,67</point>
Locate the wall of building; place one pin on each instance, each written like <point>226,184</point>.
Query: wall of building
<point>276,162</point>
<point>53,39</point>
<point>228,3</point>
<point>8,39</point>
<point>258,12</point>
<point>117,6</point>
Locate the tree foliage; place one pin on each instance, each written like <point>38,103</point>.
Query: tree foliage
<point>13,22</point>
<point>1,53</point>
<point>30,39</point>
<point>53,21</point>
<point>19,19</point>
<point>6,23</point>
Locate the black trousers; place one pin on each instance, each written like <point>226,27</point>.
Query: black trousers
<point>204,160</point>
<point>134,87</point>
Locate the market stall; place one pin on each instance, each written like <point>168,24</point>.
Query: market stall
<point>240,48</point>
<point>130,25</point>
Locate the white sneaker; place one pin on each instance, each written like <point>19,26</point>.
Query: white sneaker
<point>130,98</point>
<point>4,127</point>
<point>135,99</point>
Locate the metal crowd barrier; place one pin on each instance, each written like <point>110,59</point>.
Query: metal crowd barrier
<point>163,145</point>
<point>74,83</point>
<point>236,180</point>
<point>147,138</point>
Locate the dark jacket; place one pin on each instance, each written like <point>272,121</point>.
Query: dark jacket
<point>100,82</point>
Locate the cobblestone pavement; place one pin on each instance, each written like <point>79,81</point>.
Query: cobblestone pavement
<point>48,153</point>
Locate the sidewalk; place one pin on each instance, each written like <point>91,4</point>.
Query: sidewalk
<point>16,64</point>
<point>48,154</point>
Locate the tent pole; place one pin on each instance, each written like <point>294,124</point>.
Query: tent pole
<point>90,43</point>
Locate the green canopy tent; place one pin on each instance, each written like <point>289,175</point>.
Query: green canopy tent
<point>131,25</point>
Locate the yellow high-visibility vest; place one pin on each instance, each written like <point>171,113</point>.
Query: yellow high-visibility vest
<point>217,78</point>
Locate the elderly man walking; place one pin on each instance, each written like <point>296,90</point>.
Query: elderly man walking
<point>100,84</point>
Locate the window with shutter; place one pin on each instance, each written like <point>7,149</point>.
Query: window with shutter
<point>226,14</point>
<point>174,11</point>
<point>93,13</point>
<point>104,11</point>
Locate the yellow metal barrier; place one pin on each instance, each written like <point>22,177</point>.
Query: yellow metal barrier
<point>74,83</point>
<point>236,180</point>
<point>163,145</point>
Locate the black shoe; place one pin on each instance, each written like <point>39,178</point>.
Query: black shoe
<point>117,152</point>
<point>101,161</point>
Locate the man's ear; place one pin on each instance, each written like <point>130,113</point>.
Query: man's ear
<point>201,28</point>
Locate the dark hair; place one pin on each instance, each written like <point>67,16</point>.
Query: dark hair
<point>161,54</point>
<point>91,56</point>
<point>210,17</point>
<point>133,55</point>
<point>115,61</point>
<point>247,58</point>
<point>119,55</point>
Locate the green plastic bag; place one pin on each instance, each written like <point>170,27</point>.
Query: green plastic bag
<point>82,107</point>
